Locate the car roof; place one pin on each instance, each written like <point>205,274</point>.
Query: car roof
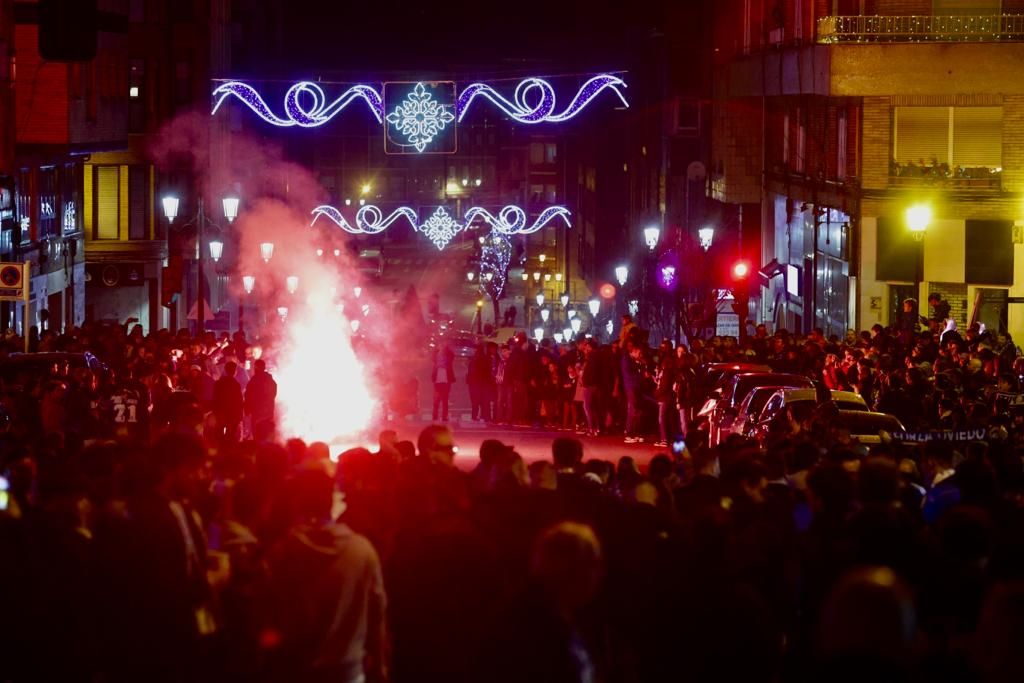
<point>812,395</point>
<point>742,367</point>
<point>768,375</point>
<point>872,422</point>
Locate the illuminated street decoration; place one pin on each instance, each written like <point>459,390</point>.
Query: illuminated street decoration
<point>511,220</point>
<point>369,219</point>
<point>422,115</point>
<point>495,255</point>
<point>543,108</point>
<point>297,114</point>
<point>441,228</point>
<point>419,118</point>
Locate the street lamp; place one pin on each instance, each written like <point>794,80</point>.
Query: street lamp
<point>564,299</point>
<point>248,283</point>
<point>559,337</point>
<point>538,334</point>
<point>651,235</point>
<point>622,274</point>
<point>282,311</point>
<point>558,277</point>
<point>918,217</point>
<point>571,313</point>
<point>170,208</point>
<point>292,283</point>
<point>470,275</point>
<point>576,324</point>
<point>706,234</point>
<point>216,250</point>
<point>357,291</point>
<point>526,276</point>
<point>545,314</point>
<point>230,206</point>
<point>536,277</point>
<point>540,298</point>
<point>479,316</point>
<point>567,333</point>
<point>595,306</point>
<point>267,251</point>
<point>542,258</point>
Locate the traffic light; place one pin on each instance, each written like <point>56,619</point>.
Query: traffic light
<point>740,273</point>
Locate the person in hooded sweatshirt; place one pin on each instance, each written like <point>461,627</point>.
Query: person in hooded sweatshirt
<point>325,601</point>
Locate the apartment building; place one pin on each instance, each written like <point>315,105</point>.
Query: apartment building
<point>836,118</point>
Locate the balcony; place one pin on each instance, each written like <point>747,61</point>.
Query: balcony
<point>921,29</point>
<point>941,176</point>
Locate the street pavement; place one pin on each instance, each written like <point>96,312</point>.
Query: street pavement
<point>532,444</point>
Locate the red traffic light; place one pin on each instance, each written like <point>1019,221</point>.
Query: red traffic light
<point>740,270</point>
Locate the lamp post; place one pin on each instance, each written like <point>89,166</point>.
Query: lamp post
<point>622,275</point>
<point>706,235</point>
<point>651,235</point>
<point>230,207</point>
<point>918,218</point>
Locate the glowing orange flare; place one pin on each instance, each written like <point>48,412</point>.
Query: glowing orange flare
<point>322,387</point>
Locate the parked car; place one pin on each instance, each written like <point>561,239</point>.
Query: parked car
<point>735,390</point>
<point>52,364</point>
<point>752,406</point>
<point>710,377</point>
<point>806,403</point>
<point>865,427</point>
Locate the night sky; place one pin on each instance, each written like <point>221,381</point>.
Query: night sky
<point>460,35</point>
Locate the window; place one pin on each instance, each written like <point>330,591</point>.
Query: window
<point>69,197</point>
<point>536,153</point>
<point>47,202</point>
<point>107,197</point>
<point>687,114</point>
<point>138,193</point>
<point>988,252</point>
<point>550,153</point>
<point>978,137</point>
<point>23,202</point>
<point>801,142</point>
<point>550,194</point>
<point>958,137</point>
<point>946,8</point>
<point>785,139</point>
<point>841,131</point>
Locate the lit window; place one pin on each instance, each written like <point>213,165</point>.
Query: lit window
<point>133,91</point>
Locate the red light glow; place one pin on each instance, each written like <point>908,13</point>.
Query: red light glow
<point>607,291</point>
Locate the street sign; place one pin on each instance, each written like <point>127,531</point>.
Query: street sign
<point>14,281</point>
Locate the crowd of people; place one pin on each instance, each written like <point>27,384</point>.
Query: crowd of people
<point>180,547</point>
<point>924,371</point>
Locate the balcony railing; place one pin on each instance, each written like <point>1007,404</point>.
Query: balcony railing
<point>943,176</point>
<point>921,29</point>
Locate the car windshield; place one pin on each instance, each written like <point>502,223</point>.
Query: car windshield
<point>745,384</point>
<point>862,423</point>
<point>757,400</point>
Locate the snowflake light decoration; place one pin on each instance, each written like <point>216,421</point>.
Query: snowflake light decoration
<point>441,228</point>
<point>420,118</point>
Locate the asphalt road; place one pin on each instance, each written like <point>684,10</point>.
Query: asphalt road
<point>532,444</point>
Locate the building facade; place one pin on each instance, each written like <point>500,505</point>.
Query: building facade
<point>835,118</point>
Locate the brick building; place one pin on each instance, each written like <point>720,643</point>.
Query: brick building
<point>170,48</point>
<point>834,118</point>
<point>63,113</point>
